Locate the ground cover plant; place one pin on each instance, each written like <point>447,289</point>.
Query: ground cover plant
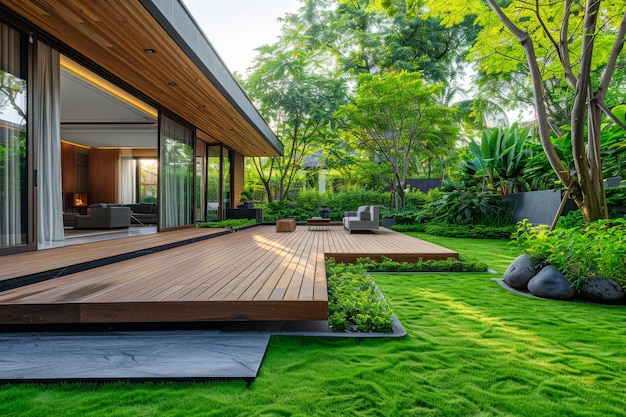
<point>228,224</point>
<point>354,301</point>
<point>472,349</point>
<point>598,248</point>
<point>477,231</point>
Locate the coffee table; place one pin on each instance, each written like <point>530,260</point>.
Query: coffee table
<point>318,223</point>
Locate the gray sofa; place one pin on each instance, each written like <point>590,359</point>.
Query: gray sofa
<point>104,216</point>
<point>144,213</point>
<point>365,218</point>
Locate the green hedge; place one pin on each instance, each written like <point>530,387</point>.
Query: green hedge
<point>455,230</point>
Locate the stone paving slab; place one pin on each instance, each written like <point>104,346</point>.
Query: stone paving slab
<point>161,355</point>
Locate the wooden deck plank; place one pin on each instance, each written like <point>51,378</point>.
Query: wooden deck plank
<point>49,259</point>
<point>254,274</point>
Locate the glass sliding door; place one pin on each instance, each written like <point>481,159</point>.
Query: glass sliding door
<point>13,157</point>
<point>176,169</point>
<point>200,180</point>
<point>226,183</point>
<point>214,180</point>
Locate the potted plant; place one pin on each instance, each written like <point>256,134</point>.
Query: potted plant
<point>246,199</point>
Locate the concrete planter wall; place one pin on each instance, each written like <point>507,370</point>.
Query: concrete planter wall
<point>539,207</point>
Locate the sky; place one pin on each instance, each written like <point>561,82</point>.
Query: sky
<point>236,28</point>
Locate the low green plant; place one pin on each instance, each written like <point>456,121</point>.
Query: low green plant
<point>475,231</point>
<point>462,264</point>
<point>573,219</point>
<point>469,205</point>
<point>354,301</point>
<point>598,248</point>
<point>228,224</point>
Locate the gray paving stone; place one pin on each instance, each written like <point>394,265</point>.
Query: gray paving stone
<point>160,355</point>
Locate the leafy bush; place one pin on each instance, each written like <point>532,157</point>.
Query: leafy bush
<point>354,302</point>
<point>463,205</point>
<point>476,231</point>
<point>288,209</point>
<point>571,220</point>
<point>403,228</point>
<point>307,204</point>
<point>598,248</point>
<point>616,201</point>
<point>462,264</point>
<point>228,224</point>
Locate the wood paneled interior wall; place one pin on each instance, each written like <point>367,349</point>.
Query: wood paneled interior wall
<point>238,176</point>
<point>74,172</point>
<point>104,175</point>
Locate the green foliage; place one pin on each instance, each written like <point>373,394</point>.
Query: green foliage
<point>463,205</point>
<point>307,204</point>
<point>227,224</point>
<point>538,171</point>
<point>462,264</point>
<point>149,199</point>
<point>598,248</point>
<point>613,145</point>
<point>476,231</point>
<point>616,201</point>
<point>354,301</point>
<point>394,117</point>
<point>573,219</point>
<point>500,158</point>
<point>246,196</point>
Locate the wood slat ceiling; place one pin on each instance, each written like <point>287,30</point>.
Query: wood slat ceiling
<point>114,34</point>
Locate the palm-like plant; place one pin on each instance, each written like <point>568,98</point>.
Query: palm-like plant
<point>500,158</point>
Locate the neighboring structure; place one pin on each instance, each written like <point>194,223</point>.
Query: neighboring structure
<point>116,102</point>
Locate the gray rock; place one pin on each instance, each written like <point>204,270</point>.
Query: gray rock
<point>551,283</point>
<point>602,290</point>
<point>519,272</point>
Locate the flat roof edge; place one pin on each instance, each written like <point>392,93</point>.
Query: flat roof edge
<point>177,21</point>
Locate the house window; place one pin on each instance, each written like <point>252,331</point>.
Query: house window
<point>13,158</point>
<point>148,176</point>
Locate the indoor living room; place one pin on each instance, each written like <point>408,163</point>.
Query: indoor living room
<point>108,159</point>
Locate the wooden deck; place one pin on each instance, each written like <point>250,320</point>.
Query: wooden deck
<point>253,274</point>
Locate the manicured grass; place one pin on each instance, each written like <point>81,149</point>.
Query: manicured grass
<point>472,349</point>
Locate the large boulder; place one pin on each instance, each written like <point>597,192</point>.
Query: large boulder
<point>519,272</point>
<point>602,290</point>
<point>551,283</point>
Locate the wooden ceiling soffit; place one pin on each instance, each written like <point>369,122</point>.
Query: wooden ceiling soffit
<point>156,47</point>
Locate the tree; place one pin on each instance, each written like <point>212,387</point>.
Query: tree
<point>362,40</point>
<point>297,98</point>
<point>395,116</point>
<point>575,45</point>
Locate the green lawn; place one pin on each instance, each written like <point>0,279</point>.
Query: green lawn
<point>472,349</point>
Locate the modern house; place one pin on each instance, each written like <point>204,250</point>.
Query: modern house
<point>119,102</point>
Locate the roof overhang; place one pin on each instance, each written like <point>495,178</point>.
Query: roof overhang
<point>156,48</point>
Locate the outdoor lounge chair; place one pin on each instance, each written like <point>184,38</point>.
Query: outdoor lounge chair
<point>365,218</point>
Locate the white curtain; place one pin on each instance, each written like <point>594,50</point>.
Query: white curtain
<point>13,201</point>
<point>177,170</point>
<point>128,180</point>
<point>46,124</point>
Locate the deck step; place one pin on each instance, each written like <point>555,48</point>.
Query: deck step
<point>137,356</point>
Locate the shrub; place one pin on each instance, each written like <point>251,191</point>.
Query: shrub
<point>307,204</point>
<point>598,248</point>
<point>462,264</point>
<point>476,231</point>
<point>354,302</point>
<point>228,224</point>
<point>571,220</point>
<point>616,201</point>
<point>463,205</point>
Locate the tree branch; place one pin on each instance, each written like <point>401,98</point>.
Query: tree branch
<point>540,107</point>
<point>563,47</point>
<point>610,66</point>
